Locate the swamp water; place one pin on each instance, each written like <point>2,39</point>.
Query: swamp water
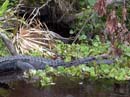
<point>62,88</point>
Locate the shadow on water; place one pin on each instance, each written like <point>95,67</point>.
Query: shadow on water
<point>91,88</point>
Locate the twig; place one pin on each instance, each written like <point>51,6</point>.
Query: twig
<point>76,37</point>
<point>36,11</point>
<point>8,44</point>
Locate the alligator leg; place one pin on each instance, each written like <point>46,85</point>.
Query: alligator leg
<point>24,66</point>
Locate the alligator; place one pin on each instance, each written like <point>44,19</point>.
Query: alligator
<point>12,67</point>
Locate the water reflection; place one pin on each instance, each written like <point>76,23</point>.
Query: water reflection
<point>72,89</point>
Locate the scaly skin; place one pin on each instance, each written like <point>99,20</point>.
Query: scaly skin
<point>14,66</point>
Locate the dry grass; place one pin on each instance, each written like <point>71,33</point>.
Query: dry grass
<point>33,37</point>
<point>65,5</point>
<point>36,35</point>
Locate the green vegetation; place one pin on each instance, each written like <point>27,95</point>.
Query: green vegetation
<point>119,71</point>
<point>69,51</point>
<point>3,8</point>
<point>3,49</point>
<point>90,40</point>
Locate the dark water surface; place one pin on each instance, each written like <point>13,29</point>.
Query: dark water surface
<point>71,89</point>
